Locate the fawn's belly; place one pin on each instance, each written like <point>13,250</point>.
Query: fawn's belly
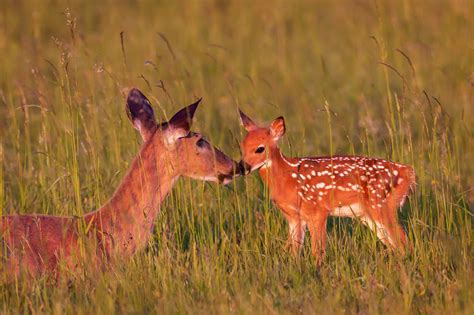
<point>350,211</point>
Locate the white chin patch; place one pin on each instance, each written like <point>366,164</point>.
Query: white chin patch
<point>264,164</point>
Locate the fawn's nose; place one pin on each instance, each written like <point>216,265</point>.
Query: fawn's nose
<point>244,168</point>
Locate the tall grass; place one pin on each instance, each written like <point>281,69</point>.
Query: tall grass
<point>386,79</point>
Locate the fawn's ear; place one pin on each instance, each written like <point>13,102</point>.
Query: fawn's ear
<point>141,113</point>
<point>180,124</point>
<point>246,122</point>
<point>277,128</point>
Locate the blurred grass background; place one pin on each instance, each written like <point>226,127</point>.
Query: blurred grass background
<point>391,79</point>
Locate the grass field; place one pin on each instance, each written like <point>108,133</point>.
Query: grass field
<point>391,79</point>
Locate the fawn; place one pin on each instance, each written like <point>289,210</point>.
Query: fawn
<point>307,190</point>
<point>36,244</point>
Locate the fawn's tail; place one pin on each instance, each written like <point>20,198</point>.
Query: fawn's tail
<point>403,183</point>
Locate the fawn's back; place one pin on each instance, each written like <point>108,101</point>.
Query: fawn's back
<point>333,183</point>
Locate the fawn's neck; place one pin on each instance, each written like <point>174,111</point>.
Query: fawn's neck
<point>125,222</point>
<point>276,166</point>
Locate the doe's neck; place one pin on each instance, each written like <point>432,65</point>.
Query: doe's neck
<point>128,217</point>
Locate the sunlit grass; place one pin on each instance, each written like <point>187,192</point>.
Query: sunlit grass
<point>386,80</point>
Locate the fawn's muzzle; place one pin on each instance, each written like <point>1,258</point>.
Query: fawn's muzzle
<point>244,167</point>
<point>239,169</point>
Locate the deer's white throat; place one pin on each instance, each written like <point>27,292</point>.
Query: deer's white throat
<point>264,165</point>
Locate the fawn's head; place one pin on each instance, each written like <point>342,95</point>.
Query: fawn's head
<point>259,142</point>
<point>188,152</point>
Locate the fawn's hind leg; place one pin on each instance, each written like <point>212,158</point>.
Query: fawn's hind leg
<point>385,225</point>
<point>402,186</point>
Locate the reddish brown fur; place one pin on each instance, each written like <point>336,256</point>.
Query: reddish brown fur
<point>308,190</point>
<point>37,244</point>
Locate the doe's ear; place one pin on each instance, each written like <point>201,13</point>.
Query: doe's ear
<point>277,128</point>
<point>141,113</point>
<point>180,124</point>
<point>246,122</point>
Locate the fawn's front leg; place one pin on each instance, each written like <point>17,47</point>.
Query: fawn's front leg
<point>296,229</point>
<point>317,229</point>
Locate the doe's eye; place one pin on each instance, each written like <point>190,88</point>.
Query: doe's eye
<point>201,143</point>
<point>260,149</point>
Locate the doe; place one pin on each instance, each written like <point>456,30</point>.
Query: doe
<point>37,244</point>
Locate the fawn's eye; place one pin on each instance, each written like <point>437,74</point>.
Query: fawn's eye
<point>260,149</point>
<point>201,143</point>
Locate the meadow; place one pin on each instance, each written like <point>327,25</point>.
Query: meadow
<point>391,79</point>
